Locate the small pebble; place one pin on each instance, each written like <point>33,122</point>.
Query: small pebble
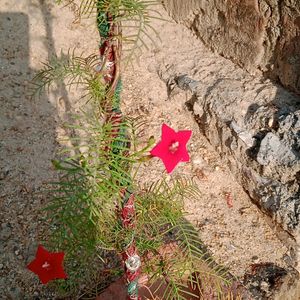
<point>5,233</point>
<point>15,293</point>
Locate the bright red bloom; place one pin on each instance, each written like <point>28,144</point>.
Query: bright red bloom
<point>172,147</point>
<point>47,265</point>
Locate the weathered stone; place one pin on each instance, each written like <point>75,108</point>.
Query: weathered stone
<point>254,126</point>
<point>264,158</point>
<point>5,232</point>
<point>264,280</point>
<point>273,152</point>
<point>255,34</point>
<point>31,251</point>
<point>15,293</point>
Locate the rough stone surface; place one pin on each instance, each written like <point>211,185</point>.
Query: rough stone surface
<point>262,150</point>
<point>255,34</point>
<point>263,280</point>
<point>260,141</point>
<point>254,126</point>
<point>15,293</point>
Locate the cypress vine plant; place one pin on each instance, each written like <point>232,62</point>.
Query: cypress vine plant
<point>97,207</point>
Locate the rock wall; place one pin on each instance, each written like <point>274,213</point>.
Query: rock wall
<point>253,124</point>
<point>255,127</point>
<point>260,141</point>
<point>255,34</point>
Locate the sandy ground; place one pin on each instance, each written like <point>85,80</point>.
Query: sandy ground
<point>30,133</point>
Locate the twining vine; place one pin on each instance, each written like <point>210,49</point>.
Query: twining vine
<point>110,52</point>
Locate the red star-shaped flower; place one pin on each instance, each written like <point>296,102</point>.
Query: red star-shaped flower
<point>172,147</point>
<point>47,265</point>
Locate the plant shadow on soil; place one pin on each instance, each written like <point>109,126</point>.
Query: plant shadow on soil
<point>28,143</point>
<point>27,130</point>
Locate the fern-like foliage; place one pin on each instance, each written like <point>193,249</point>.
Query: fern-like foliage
<point>84,219</point>
<point>134,16</point>
<point>77,71</point>
<point>182,261</point>
<point>71,221</point>
<point>82,213</point>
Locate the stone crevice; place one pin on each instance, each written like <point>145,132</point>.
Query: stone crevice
<point>270,172</point>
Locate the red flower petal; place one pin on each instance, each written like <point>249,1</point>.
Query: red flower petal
<point>47,265</point>
<point>183,136</point>
<point>170,157</point>
<point>44,277</point>
<point>167,132</point>
<point>57,260</point>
